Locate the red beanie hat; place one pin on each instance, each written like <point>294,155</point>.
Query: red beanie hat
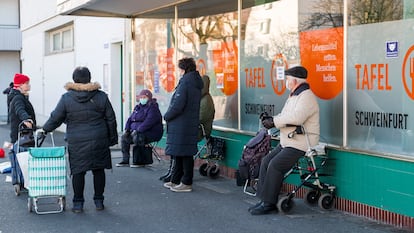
<point>20,79</point>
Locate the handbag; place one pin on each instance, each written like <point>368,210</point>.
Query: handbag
<point>216,147</point>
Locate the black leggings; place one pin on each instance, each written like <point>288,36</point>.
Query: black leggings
<point>183,170</point>
<point>78,184</point>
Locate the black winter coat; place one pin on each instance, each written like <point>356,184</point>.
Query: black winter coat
<point>20,109</point>
<point>90,126</point>
<point>182,116</point>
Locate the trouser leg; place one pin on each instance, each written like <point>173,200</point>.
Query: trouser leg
<point>188,170</point>
<point>78,184</point>
<point>278,166</point>
<point>177,170</point>
<point>135,154</point>
<point>99,183</point>
<point>263,168</point>
<point>125,148</point>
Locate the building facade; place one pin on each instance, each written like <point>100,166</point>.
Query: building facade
<point>10,46</point>
<point>360,58</point>
<point>53,45</point>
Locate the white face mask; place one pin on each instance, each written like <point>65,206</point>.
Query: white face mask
<point>143,101</point>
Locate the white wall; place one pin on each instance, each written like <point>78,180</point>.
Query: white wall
<point>92,42</point>
<point>9,13</point>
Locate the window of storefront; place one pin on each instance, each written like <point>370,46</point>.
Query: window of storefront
<point>155,59</point>
<point>245,59</point>
<point>380,76</point>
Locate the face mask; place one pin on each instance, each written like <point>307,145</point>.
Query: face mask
<point>143,101</point>
<point>287,84</point>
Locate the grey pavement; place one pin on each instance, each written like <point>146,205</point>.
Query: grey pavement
<point>136,201</point>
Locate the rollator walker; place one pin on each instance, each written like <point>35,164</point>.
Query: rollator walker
<point>307,167</point>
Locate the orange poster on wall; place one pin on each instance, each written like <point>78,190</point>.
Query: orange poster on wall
<point>321,53</point>
<point>170,82</point>
<point>226,67</point>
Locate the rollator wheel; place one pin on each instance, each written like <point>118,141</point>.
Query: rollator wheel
<point>17,189</point>
<point>203,169</point>
<point>326,201</point>
<point>30,204</point>
<point>285,204</point>
<point>312,196</point>
<point>213,171</point>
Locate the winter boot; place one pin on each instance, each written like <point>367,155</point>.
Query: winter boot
<point>77,207</point>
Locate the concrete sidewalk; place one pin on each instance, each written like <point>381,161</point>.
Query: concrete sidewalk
<point>136,201</point>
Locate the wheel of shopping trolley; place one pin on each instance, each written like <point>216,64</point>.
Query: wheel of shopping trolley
<point>312,196</point>
<point>203,169</point>
<point>17,189</point>
<point>62,201</point>
<point>285,204</point>
<point>326,201</point>
<point>213,171</point>
<point>29,204</point>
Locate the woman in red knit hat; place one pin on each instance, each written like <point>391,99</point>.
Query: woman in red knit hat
<point>20,107</point>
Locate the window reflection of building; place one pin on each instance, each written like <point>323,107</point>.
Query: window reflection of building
<point>375,11</point>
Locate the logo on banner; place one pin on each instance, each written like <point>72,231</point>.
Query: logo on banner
<point>392,49</point>
<point>408,68</point>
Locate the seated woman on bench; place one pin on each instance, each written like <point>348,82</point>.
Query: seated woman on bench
<point>301,108</point>
<point>142,127</point>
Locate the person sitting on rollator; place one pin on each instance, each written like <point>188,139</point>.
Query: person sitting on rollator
<point>301,109</point>
<point>142,127</point>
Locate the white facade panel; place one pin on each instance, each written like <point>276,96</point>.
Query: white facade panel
<point>35,12</point>
<point>10,39</point>
<point>9,65</point>
<point>9,14</point>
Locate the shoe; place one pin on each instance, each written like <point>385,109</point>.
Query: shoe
<point>255,206</point>
<point>169,185</point>
<point>136,165</point>
<point>181,188</point>
<point>263,208</point>
<point>122,164</point>
<point>99,205</point>
<point>77,207</point>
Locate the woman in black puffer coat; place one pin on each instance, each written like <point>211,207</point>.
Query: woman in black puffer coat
<point>182,119</point>
<point>91,130</point>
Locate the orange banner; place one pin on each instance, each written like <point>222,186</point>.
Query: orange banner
<point>321,53</point>
<point>226,68</point>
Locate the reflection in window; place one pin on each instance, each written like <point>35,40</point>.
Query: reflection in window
<point>212,41</point>
<point>375,11</point>
<point>320,14</point>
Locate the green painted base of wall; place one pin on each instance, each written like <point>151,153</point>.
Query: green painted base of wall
<point>383,183</point>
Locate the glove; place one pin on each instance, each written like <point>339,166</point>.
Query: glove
<point>268,123</point>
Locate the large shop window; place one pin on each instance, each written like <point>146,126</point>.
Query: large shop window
<point>381,76</point>
<point>154,59</point>
<point>210,40</point>
<point>281,34</point>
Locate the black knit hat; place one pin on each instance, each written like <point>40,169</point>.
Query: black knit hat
<point>297,71</point>
<point>81,75</point>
